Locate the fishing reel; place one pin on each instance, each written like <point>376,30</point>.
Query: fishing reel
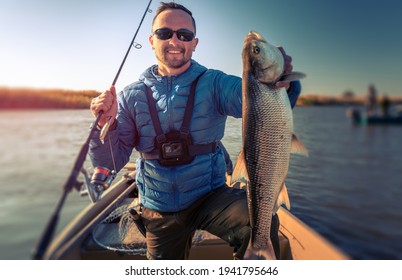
<point>96,184</point>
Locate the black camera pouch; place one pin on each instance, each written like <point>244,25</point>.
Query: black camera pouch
<point>175,149</point>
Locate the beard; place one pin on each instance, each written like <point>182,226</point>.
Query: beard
<point>174,60</point>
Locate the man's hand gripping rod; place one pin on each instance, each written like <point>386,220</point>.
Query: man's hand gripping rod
<point>102,177</point>
<point>44,241</point>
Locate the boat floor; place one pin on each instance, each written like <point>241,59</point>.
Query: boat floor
<point>106,230</point>
<point>120,239</point>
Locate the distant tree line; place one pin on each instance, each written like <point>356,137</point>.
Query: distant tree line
<point>28,98</point>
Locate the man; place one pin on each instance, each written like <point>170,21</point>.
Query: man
<point>371,100</point>
<point>178,197</point>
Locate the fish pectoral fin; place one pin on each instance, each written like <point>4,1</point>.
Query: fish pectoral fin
<point>240,171</point>
<point>298,147</point>
<point>292,76</point>
<point>283,199</point>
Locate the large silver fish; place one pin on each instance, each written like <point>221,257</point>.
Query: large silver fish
<point>267,130</point>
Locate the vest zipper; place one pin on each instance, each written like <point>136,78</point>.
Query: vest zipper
<point>169,106</point>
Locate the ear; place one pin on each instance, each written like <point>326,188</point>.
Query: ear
<point>151,41</point>
<point>195,43</point>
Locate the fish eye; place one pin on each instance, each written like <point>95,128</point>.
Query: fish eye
<point>256,50</point>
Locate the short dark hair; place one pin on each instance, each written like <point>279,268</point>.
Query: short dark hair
<point>173,6</point>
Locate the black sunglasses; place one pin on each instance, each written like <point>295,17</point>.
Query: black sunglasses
<point>167,33</point>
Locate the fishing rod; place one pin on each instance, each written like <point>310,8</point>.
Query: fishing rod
<point>44,241</point>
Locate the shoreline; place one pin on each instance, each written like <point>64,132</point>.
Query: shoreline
<point>40,99</point>
<point>29,98</point>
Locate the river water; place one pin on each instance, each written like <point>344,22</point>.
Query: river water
<point>349,189</point>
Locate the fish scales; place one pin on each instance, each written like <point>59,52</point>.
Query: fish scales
<point>267,139</point>
<point>268,129</point>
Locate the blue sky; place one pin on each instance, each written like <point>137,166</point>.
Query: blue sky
<point>79,44</point>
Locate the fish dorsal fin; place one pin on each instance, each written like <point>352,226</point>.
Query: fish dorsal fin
<point>298,147</point>
<point>292,76</point>
<point>283,199</point>
<point>240,171</point>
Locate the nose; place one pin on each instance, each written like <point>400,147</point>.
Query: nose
<point>174,39</point>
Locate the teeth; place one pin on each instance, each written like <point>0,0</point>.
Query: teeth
<point>174,52</point>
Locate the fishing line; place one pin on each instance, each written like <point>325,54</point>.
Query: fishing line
<point>40,248</point>
<point>111,152</point>
<point>105,129</point>
<point>133,43</point>
<point>137,46</point>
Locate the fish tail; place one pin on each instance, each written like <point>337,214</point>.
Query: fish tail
<point>265,253</point>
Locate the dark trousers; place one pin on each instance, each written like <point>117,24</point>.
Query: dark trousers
<point>223,212</point>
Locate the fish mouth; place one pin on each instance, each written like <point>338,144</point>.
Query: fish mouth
<point>264,60</point>
<point>254,35</point>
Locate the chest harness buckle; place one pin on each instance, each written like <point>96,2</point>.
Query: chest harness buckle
<point>175,147</point>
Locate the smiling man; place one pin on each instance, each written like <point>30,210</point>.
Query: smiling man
<point>173,40</point>
<point>175,116</point>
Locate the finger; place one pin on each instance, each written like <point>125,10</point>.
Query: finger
<point>93,107</point>
<point>283,84</point>
<point>110,97</point>
<point>112,89</point>
<point>106,113</point>
<point>282,50</point>
<point>100,102</point>
<point>110,102</point>
<point>96,106</point>
<point>288,67</point>
<point>103,102</point>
